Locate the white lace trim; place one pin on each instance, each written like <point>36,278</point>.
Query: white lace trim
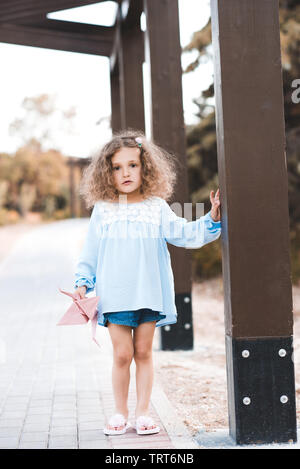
<point>148,211</point>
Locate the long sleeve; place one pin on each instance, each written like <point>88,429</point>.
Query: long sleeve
<point>191,235</point>
<point>85,273</point>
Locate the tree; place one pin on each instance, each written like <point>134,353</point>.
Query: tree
<point>43,122</point>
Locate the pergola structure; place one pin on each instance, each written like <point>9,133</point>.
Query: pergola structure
<point>252,174</point>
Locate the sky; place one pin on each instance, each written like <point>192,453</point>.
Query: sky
<point>82,80</point>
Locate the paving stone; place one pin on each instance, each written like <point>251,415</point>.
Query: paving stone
<point>36,427</point>
<point>64,413</point>
<point>10,431</point>
<point>97,444</point>
<point>13,414</point>
<point>9,442</point>
<point>17,399</point>
<point>64,431</point>
<point>88,394</point>
<point>40,403</point>
<point>61,422</point>
<point>40,411</point>
<point>15,407</point>
<point>41,396</point>
<point>6,423</point>
<point>63,442</point>
<point>91,435</point>
<point>36,418</point>
<point>90,417</point>
<point>33,445</point>
<point>94,425</point>
<point>69,407</point>
<point>34,437</point>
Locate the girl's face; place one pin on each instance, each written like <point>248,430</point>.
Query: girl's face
<point>126,166</point>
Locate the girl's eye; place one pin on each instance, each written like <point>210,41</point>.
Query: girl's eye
<point>117,167</point>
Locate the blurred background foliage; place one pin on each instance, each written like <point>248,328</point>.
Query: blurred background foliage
<point>202,143</point>
<point>35,180</point>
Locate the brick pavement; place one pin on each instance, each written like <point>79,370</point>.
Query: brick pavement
<point>55,384</point>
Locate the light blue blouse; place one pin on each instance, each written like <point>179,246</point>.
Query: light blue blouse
<point>125,255</point>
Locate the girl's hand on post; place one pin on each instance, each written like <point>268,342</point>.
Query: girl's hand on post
<point>215,205</point>
<point>81,291</point>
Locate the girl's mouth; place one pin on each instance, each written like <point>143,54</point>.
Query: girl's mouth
<point>127,182</point>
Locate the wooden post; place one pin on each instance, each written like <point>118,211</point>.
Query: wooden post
<point>255,220</point>
<point>115,99</point>
<point>163,54</point>
<point>72,187</point>
<point>83,163</point>
<point>131,58</point>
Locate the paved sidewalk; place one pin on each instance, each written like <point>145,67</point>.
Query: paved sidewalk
<point>55,383</point>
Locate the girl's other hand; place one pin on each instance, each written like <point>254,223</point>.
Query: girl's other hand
<point>215,205</point>
<point>81,291</point>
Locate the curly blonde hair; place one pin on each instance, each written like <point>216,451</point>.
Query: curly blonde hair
<point>159,172</point>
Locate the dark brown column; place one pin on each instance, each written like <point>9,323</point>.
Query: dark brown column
<point>255,220</point>
<point>72,187</point>
<point>131,57</point>
<point>163,54</point>
<point>83,163</point>
<point>115,99</point>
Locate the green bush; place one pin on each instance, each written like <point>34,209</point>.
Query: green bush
<point>8,217</point>
<point>207,261</point>
<point>295,255</point>
<point>62,214</point>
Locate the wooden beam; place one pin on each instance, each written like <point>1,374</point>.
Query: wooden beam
<point>100,33</point>
<point>60,39</point>
<point>15,9</point>
<point>27,20</point>
<point>255,220</point>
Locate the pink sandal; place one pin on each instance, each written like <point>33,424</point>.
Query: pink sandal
<point>117,420</point>
<point>146,421</point>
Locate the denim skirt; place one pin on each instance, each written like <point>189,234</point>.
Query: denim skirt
<point>132,318</point>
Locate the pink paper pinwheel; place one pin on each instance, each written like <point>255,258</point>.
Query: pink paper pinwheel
<point>80,312</point>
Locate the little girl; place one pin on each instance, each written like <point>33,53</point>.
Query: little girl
<point>125,256</point>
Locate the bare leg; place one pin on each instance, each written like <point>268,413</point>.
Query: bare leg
<point>122,342</point>
<point>142,342</point>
